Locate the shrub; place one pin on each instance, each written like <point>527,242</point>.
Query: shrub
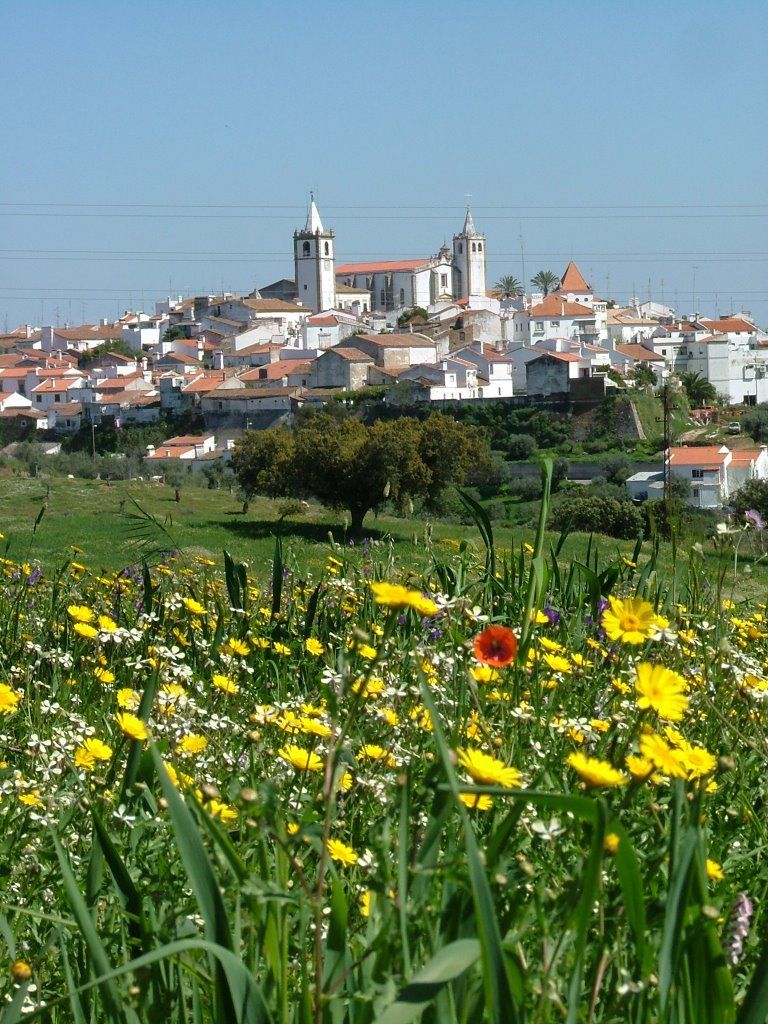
<point>521,446</point>
<point>593,514</point>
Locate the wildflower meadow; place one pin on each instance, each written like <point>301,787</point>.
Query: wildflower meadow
<point>502,788</point>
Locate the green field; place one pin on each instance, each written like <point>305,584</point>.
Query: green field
<point>205,523</point>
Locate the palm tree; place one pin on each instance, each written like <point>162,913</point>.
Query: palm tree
<point>509,286</point>
<point>698,389</point>
<point>546,281</point>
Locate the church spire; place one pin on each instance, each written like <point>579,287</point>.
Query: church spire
<point>470,231</point>
<point>313,217</point>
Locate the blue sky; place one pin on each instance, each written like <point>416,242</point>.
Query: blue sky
<point>185,136</point>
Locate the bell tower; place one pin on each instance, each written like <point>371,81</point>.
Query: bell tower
<point>313,258</point>
<point>469,258</point>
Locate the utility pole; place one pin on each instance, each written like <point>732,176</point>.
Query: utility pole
<point>93,438</point>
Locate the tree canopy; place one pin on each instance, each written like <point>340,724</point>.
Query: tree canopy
<point>546,281</point>
<point>698,389</point>
<point>346,464</point>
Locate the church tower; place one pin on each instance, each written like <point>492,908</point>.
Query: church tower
<point>469,261</point>
<point>313,261</point>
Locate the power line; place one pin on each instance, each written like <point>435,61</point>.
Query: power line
<point>388,217</point>
<point>383,206</point>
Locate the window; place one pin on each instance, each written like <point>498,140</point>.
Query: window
<point>57,398</point>
<point>697,474</point>
<point>382,297</point>
<point>474,247</point>
<point>327,249</point>
<point>553,323</point>
<point>443,280</point>
<point>39,399</point>
<point>402,296</point>
<point>695,492</point>
<point>479,246</point>
<point>305,248</point>
<point>461,248</point>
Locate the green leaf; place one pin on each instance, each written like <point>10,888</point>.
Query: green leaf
<point>502,999</point>
<point>195,860</point>
<point>96,951</point>
<point>248,1002</point>
<point>445,966</point>
<point>754,1009</point>
<point>590,886</point>
<point>674,918</point>
<point>631,882</point>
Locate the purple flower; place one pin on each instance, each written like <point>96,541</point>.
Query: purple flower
<point>737,927</point>
<point>754,518</point>
<point>552,615</point>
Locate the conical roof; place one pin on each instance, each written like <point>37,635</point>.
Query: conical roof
<point>573,280</point>
<point>469,226</point>
<point>313,218</point>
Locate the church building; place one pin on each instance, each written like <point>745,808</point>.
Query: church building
<point>380,286</point>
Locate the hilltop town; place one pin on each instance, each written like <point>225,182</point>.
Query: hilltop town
<point>416,333</point>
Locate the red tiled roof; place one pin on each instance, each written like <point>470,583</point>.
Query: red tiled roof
<point>704,456</point>
<point>553,306</point>
<point>729,325</point>
<point>274,306</point>
<point>201,385</point>
<point>745,454</point>
<point>350,355</point>
<point>573,280</point>
<point>565,357</point>
<point>639,353</point>
<point>382,267</point>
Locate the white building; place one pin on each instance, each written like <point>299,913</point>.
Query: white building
<point>712,473</point>
<point>469,256</point>
<point>313,261</point>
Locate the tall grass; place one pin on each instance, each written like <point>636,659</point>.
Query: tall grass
<point>166,886</point>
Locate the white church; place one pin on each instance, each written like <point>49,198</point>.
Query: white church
<point>381,286</point>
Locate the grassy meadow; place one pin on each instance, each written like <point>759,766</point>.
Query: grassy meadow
<point>518,779</point>
<point>101,519</point>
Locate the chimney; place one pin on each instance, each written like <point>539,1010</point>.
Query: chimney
<point>150,450</point>
<point>28,331</point>
<point>218,360</point>
<point>104,322</point>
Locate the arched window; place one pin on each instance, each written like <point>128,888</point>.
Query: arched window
<point>305,248</point>
<point>461,248</point>
<point>479,246</point>
<point>474,247</point>
<point>327,249</point>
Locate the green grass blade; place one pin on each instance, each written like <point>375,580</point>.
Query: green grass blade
<point>674,918</point>
<point>590,885</point>
<point>631,882</point>
<point>446,966</point>
<point>195,860</point>
<point>96,951</point>
<point>502,1002</point>
<point>249,1006</point>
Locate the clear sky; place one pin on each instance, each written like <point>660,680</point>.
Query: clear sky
<point>156,146</point>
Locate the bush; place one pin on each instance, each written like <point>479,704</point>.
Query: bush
<point>618,468</point>
<point>527,488</point>
<point>521,447</point>
<point>592,514</point>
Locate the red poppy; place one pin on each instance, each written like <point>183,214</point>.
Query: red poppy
<point>496,645</point>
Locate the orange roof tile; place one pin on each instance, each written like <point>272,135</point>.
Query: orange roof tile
<point>573,280</point>
<point>705,456</point>
<point>554,306</point>
<point>382,267</point>
<point>729,325</point>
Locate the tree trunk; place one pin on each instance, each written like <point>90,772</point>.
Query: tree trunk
<point>356,522</point>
